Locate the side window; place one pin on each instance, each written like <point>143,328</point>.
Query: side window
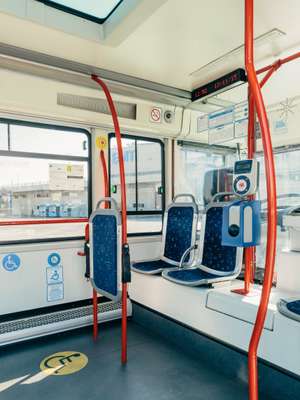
<point>191,164</point>
<point>288,196</point>
<point>44,175</point>
<point>144,169</point>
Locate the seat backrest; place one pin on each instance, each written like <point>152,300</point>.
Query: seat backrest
<point>105,249</point>
<point>179,230</point>
<point>213,257</point>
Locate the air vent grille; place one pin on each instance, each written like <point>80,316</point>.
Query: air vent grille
<point>56,317</point>
<point>124,110</point>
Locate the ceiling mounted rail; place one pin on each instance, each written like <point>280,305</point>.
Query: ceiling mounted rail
<point>63,70</point>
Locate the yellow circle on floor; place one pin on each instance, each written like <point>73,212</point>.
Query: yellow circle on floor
<point>64,363</point>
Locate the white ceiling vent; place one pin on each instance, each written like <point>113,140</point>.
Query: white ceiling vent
<point>124,110</point>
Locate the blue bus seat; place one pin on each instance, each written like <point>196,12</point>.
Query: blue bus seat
<point>216,263</point>
<point>290,308</point>
<point>179,235</point>
<point>105,250</point>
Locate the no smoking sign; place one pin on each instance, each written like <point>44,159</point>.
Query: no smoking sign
<point>155,114</point>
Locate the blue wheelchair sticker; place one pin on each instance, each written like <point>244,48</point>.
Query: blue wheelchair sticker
<point>54,259</point>
<point>54,275</point>
<point>11,262</point>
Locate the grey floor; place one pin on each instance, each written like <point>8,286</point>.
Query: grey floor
<point>155,370</point>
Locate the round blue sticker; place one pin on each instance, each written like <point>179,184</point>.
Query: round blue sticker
<point>11,262</point>
<point>54,259</point>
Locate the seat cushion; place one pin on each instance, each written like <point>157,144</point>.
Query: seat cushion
<point>190,275</point>
<point>294,306</point>
<point>149,266</point>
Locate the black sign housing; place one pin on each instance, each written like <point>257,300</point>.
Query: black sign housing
<point>231,79</point>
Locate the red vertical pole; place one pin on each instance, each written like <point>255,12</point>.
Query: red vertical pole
<point>95,315</point>
<point>272,204</point>
<point>105,174</point>
<point>249,251</point>
<point>123,207</point>
<point>95,295</point>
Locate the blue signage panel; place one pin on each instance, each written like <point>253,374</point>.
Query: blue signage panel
<point>54,259</point>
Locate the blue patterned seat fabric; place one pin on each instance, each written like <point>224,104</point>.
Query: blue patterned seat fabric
<point>148,266</point>
<point>215,256</point>
<point>190,275</point>
<point>105,263</point>
<point>294,306</point>
<point>178,239</point>
<point>179,232</point>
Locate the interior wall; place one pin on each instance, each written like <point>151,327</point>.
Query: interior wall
<point>27,96</point>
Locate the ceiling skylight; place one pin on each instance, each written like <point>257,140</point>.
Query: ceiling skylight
<point>94,10</point>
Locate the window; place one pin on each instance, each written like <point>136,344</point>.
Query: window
<point>192,163</point>
<point>144,173</point>
<point>287,167</point>
<point>44,175</point>
<point>93,10</point>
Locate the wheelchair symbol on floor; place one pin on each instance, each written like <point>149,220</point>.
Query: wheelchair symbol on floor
<point>64,363</point>
<point>11,262</point>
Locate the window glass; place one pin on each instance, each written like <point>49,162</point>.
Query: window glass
<point>287,167</point>
<point>149,176</point>
<point>91,8</point>
<point>144,182</point>
<point>191,165</point>
<point>47,141</point>
<point>3,137</point>
<point>36,187</point>
<point>27,190</point>
<point>129,154</point>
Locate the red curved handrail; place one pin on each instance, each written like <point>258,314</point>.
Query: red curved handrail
<point>123,206</point>
<point>271,195</point>
<point>278,63</point>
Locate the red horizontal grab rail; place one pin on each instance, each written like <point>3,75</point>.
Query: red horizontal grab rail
<point>43,221</point>
<point>278,63</point>
<point>271,196</point>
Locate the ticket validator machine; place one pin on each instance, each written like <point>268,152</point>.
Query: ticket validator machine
<point>241,218</point>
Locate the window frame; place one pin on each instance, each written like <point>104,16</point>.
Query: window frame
<point>88,159</point>
<point>77,13</point>
<point>112,135</point>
